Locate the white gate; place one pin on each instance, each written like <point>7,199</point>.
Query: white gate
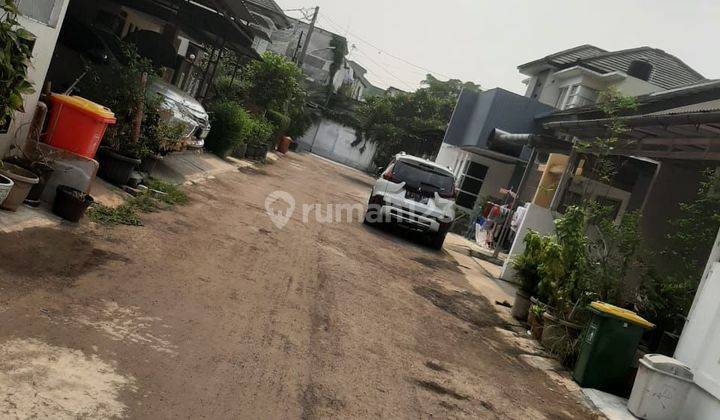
<point>335,142</point>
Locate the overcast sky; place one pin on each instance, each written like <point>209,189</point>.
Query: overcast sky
<point>485,40</point>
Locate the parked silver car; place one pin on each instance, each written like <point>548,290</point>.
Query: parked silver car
<point>180,107</point>
<point>81,45</point>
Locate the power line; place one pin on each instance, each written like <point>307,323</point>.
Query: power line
<point>382,51</point>
<point>421,74</point>
<point>409,86</point>
<point>381,66</point>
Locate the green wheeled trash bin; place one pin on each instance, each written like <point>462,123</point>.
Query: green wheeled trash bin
<point>607,349</point>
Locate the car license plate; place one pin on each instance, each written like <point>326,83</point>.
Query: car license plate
<point>416,197</point>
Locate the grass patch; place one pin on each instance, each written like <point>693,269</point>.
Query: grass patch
<point>172,195</point>
<point>144,203</point>
<point>147,202</point>
<point>121,215</point>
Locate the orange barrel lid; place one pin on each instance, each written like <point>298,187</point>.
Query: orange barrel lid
<point>86,106</point>
<point>623,314</point>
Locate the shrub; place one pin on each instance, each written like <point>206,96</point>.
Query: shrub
<point>272,81</point>
<point>528,263</point>
<point>122,95</point>
<point>280,121</point>
<point>228,89</point>
<point>259,131</point>
<point>230,127</point>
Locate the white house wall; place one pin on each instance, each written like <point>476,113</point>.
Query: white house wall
<point>42,55</point>
<point>538,219</point>
<point>452,157</point>
<point>499,176</point>
<point>632,86</point>
<point>554,81</point>
<point>700,405</point>
<point>699,344</point>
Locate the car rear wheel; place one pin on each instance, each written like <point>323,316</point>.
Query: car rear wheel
<point>438,239</point>
<point>367,219</point>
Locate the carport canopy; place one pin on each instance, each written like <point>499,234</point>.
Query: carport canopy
<point>210,21</point>
<point>670,136</point>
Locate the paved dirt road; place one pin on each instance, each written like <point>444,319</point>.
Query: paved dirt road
<point>210,311</point>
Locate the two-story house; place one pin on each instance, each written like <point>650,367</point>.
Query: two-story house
<point>566,80</point>
<point>573,78</point>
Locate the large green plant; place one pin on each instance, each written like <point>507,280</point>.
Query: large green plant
<point>272,82</point>
<point>614,250</point>
<point>564,263</point>
<point>15,55</point>
<point>412,122</point>
<point>260,131</point>
<point>527,264</point>
<point>670,290</point>
<point>122,94</point>
<point>230,127</point>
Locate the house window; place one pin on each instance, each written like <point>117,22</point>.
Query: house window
<point>470,185</point>
<point>578,96</point>
<point>561,98</point>
<point>43,11</point>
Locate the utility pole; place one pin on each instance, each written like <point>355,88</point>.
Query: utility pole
<point>308,37</point>
<point>297,48</point>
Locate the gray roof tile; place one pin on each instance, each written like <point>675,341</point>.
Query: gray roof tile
<point>668,71</point>
<point>570,55</point>
<point>575,54</point>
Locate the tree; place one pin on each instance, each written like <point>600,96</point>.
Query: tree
<point>414,122</point>
<point>272,82</point>
<point>276,84</point>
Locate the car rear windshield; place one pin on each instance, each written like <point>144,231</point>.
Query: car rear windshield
<point>418,176</point>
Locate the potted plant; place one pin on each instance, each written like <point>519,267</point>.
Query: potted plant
<point>160,137</point>
<point>116,166</point>
<point>535,320</point>
<point>259,134</point>
<point>562,270</point>
<point>527,267</point>
<point>23,181</point>
<point>230,124</point>
<point>70,203</point>
<point>6,185</point>
<point>16,43</point>
<point>240,150</point>
<point>41,167</point>
<point>125,143</point>
<point>44,171</point>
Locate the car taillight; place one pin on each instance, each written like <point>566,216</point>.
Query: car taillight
<point>451,195</point>
<point>388,175</point>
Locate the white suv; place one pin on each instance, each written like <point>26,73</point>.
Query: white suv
<point>415,193</point>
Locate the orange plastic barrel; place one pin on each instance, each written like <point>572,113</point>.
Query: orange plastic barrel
<point>77,124</point>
